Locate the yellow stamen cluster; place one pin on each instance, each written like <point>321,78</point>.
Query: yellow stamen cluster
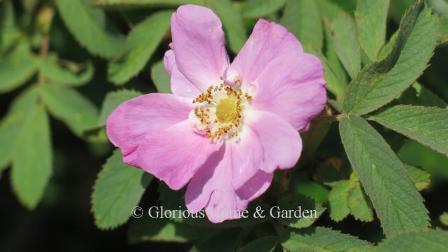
<point>219,110</point>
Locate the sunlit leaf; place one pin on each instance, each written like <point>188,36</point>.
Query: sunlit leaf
<point>141,43</point>
<point>117,191</point>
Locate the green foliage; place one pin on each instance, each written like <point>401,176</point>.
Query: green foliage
<point>260,8</point>
<point>263,244</point>
<point>371,17</point>
<point>421,178</point>
<point>422,240</point>
<point>346,44</point>
<point>126,39</point>
<point>295,202</point>
<point>323,239</point>
<point>141,43</point>
<point>32,157</point>
<point>117,191</point>
<point>415,154</point>
<point>302,18</point>
<point>426,125</point>
<point>143,3</point>
<point>381,82</point>
<point>65,73</point>
<point>347,197</point>
<point>69,106</point>
<point>396,201</point>
<point>90,28</point>
<point>16,67</point>
<point>165,230</point>
<point>160,77</point>
<point>338,200</point>
<point>232,22</point>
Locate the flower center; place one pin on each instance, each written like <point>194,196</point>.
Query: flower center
<point>227,109</point>
<point>220,111</point>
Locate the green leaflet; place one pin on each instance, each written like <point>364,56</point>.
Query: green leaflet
<point>69,74</point>
<point>11,126</point>
<point>347,197</point>
<point>232,22</point>
<point>338,200</point>
<point>143,3</point>
<point>421,240</point>
<point>306,205</point>
<point>371,17</point>
<point>427,98</point>
<point>427,125</point>
<point>381,82</point>
<point>88,26</point>
<point>8,30</point>
<point>16,67</point>
<point>261,8</point>
<point>302,18</point>
<point>359,204</point>
<point>160,77</point>
<point>263,244</point>
<point>415,154</point>
<point>117,192</point>
<point>69,106</point>
<point>333,70</point>
<point>396,201</point>
<point>323,239</point>
<point>346,44</point>
<point>141,43</point>
<point>112,100</point>
<point>164,230</point>
<point>421,178</point>
<point>32,158</point>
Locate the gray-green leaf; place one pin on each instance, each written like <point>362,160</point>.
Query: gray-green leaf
<point>427,125</point>
<point>346,43</point>
<point>381,82</point>
<point>396,201</point>
<point>422,240</point>
<point>371,17</point>
<point>323,239</point>
<point>302,18</point>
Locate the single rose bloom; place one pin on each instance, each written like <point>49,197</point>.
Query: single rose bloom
<point>226,127</point>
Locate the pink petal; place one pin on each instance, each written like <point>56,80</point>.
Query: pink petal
<point>198,44</point>
<point>267,42</point>
<point>280,142</point>
<point>292,87</point>
<point>202,184</point>
<point>175,154</point>
<point>255,187</point>
<point>180,85</point>
<point>212,187</point>
<point>246,157</point>
<point>130,122</point>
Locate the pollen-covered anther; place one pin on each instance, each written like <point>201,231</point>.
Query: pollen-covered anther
<point>220,109</point>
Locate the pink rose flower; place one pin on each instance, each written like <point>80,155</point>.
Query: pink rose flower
<point>226,127</point>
